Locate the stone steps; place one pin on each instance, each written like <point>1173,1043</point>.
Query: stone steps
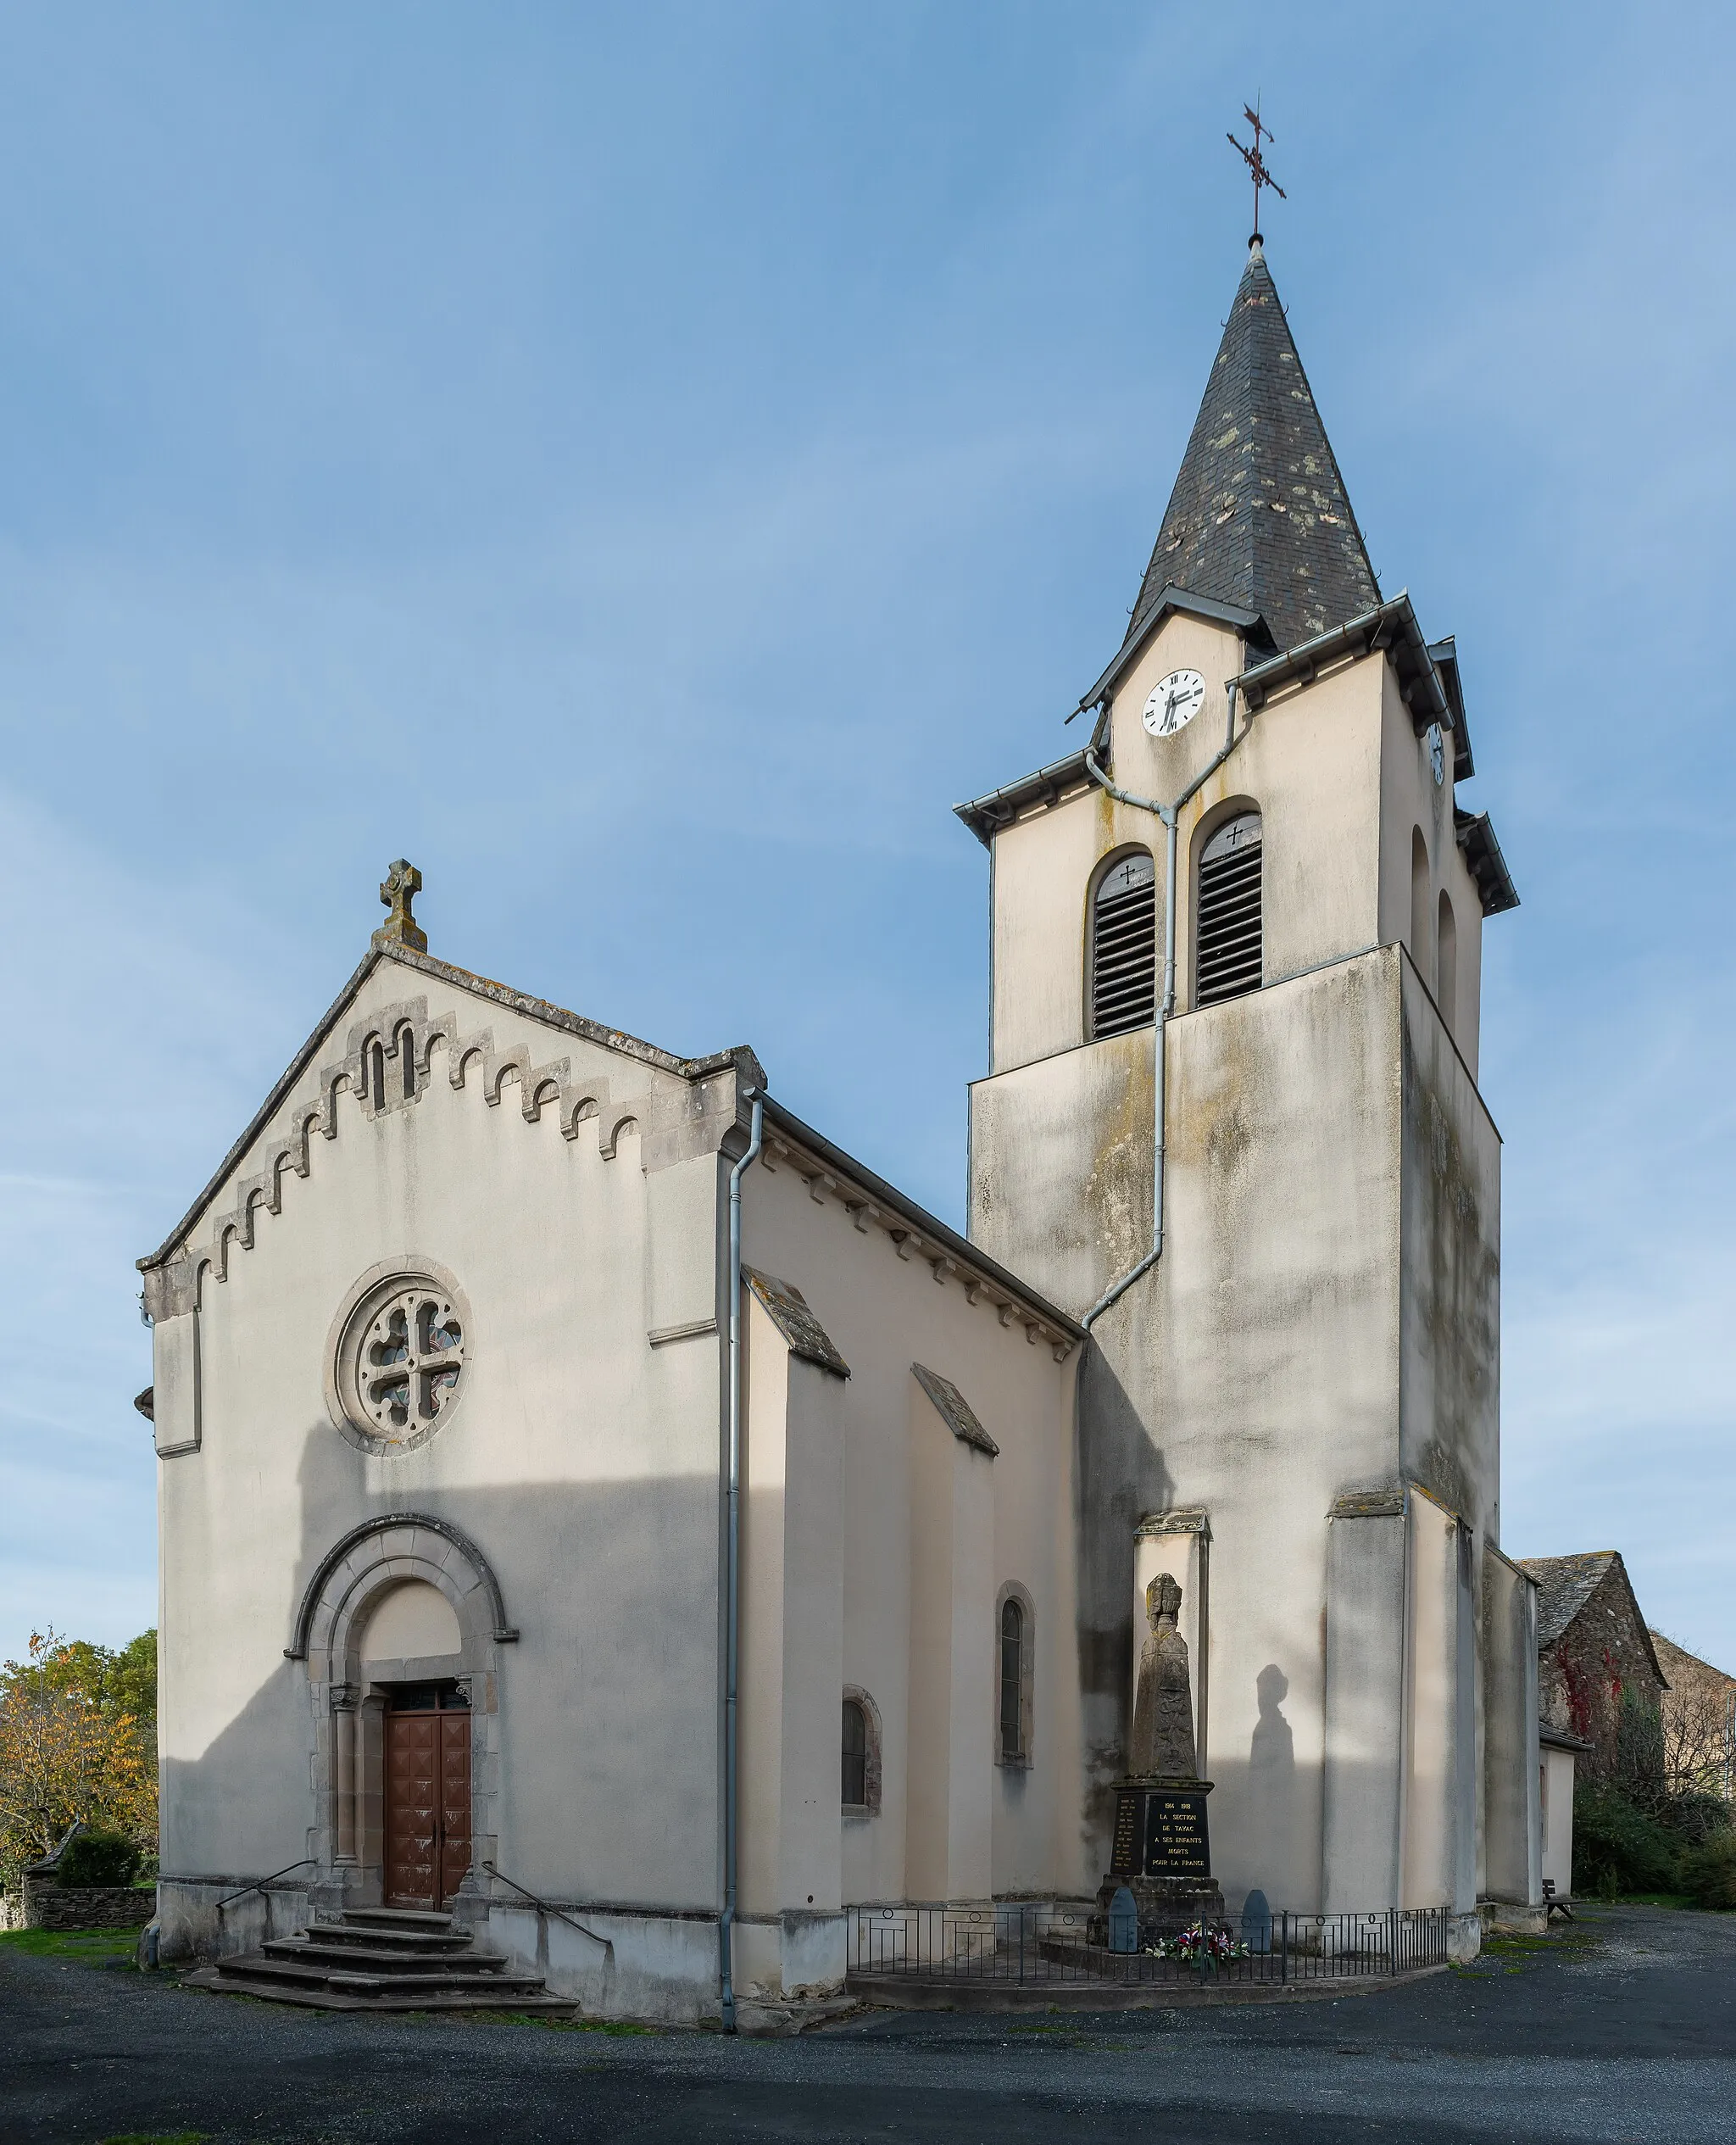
<point>329,1939</point>
<point>383,1959</point>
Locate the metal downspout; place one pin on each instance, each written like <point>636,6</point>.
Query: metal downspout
<point>1171,817</point>
<point>732,1577</point>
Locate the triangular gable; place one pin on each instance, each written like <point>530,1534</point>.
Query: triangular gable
<point>497,1065</point>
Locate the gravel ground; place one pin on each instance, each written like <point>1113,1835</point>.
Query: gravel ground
<point>1623,2029</point>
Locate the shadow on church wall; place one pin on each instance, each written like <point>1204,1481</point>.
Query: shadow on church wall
<point>612,1586</point>
<point>1122,1477</point>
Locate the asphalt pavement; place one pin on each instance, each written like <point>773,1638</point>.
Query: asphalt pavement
<point>1621,2029</point>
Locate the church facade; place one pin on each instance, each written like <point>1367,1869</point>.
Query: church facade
<point>591,1502</point>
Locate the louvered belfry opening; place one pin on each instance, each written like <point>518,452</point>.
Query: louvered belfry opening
<point>1124,946</point>
<point>1230,951</point>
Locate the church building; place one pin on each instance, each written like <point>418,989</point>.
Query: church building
<point>594,1505</point>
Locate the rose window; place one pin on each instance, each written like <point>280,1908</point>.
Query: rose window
<point>396,1370</point>
<point>412,1355</point>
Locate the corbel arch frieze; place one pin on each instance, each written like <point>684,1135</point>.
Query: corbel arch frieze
<point>576,1099</point>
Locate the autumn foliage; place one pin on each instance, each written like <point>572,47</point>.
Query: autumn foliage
<point>78,1740</point>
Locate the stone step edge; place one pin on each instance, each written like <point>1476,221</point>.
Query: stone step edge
<point>274,1974</point>
<point>218,1984</point>
<point>347,1956</point>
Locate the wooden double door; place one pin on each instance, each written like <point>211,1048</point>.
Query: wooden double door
<point>427,1795</point>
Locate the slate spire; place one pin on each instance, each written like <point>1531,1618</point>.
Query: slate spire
<point>1258,517</point>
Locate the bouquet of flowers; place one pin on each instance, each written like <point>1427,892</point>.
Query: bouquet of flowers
<point>1198,1946</point>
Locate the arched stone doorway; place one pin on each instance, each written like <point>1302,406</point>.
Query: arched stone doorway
<point>400,1628</point>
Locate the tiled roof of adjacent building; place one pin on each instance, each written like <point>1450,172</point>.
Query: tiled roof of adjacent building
<point>1260,517</point>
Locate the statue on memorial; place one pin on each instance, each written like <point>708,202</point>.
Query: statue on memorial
<point>1163,1705</point>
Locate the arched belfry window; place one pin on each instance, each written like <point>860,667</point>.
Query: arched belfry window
<point>1229,948</point>
<point>1446,966</point>
<point>1124,946</point>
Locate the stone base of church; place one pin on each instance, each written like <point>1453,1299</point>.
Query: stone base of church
<point>610,1964</point>
<point>663,1968</point>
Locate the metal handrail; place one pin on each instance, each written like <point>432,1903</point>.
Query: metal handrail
<point>543,1906</point>
<point>260,1884</point>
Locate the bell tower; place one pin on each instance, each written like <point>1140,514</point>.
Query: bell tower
<point>1232,1119</point>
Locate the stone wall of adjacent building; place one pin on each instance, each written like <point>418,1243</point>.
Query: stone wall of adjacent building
<point>1699,1721</point>
<point>1602,1655</point>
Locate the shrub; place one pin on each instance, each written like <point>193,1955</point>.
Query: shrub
<point>98,1858</point>
<point>1697,1818</point>
<point>1617,1848</point>
<point>1709,1872</point>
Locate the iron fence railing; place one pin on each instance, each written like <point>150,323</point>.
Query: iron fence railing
<point>1044,1942</point>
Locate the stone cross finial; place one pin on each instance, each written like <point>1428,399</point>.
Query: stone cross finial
<point>402,883</point>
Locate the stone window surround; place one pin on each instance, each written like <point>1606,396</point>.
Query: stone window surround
<point>860,1812</point>
<point>347,1696</point>
<point>1014,1591</point>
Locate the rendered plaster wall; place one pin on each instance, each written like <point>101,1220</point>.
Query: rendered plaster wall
<point>1439,1804</point>
<point>1556,1819</point>
<point>1310,762</point>
<point>1061,1180</point>
<point>947,1852</point>
<point>932,1530</point>
<point>792,1664</point>
<point>1252,1376</point>
<point>1411,800</point>
<point>1511,1822</point>
<point>1366,1628</point>
<point>582,1460</point>
<point>1450,1358</point>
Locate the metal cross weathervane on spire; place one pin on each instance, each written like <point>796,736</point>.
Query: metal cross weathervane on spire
<point>1256,163</point>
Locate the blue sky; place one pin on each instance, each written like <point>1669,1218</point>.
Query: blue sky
<point>646,465</point>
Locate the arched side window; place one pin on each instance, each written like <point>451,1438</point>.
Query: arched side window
<point>1124,946</point>
<point>1012,1677</point>
<point>1016,1681</point>
<point>1446,969</point>
<point>860,1782</point>
<point>406,1047</point>
<point>1228,941</point>
<point>1421,946</point>
<point>855,1767</point>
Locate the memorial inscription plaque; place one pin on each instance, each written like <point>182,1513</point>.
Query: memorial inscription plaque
<point>1176,1840</point>
<point>1160,1832</point>
<point>1125,1853</point>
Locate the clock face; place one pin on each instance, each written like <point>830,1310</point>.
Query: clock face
<point>1174,703</point>
<point>1437,752</point>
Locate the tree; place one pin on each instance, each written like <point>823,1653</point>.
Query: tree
<point>76,1742</point>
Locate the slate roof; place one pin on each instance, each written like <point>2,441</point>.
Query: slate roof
<point>1259,516</point>
<point>954,1410</point>
<point>1566,1584</point>
<point>787,1308</point>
